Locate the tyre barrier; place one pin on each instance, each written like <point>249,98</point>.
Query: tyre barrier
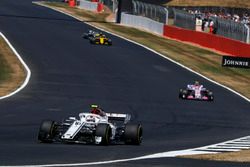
<point>93,6</point>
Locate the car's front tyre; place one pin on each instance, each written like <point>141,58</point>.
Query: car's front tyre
<point>85,36</point>
<point>183,94</point>
<point>103,131</point>
<point>46,131</point>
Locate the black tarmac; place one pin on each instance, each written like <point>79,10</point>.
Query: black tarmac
<point>69,74</point>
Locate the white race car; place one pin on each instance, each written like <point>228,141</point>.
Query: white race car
<point>91,128</point>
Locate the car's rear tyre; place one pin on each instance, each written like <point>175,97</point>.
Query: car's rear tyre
<point>92,41</point>
<point>133,134</point>
<point>103,131</point>
<point>46,131</point>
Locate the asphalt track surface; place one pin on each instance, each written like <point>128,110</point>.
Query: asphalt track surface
<point>69,74</point>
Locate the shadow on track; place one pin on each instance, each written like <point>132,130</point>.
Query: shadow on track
<point>48,18</point>
<point>37,17</point>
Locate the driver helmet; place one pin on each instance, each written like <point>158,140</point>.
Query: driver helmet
<point>94,106</point>
<point>95,109</point>
<point>196,83</point>
<point>101,34</point>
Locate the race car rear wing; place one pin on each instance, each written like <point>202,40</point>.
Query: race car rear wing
<point>118,117</point>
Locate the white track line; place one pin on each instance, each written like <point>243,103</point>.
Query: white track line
<point>210,149</point>
<point>28,72</point>
<point>158,155</point>
<point>194,151</point>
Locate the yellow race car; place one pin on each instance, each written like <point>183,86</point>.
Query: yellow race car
<point>100,39</point>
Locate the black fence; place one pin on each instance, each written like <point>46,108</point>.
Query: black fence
<point>184,19</point>
<point>154,12</point>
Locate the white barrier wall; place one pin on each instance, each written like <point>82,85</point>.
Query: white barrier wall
<point>142,22</point>
<point>87,5</point>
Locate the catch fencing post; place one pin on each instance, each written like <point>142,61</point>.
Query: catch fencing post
<point>118,14</point>
<point>166,15</point>
<point>247,27</point>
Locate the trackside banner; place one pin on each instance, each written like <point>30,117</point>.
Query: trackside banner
<point>238,62</point>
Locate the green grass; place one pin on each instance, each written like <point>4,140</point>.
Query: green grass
<point>12,72</point>
<point>5,70</point>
